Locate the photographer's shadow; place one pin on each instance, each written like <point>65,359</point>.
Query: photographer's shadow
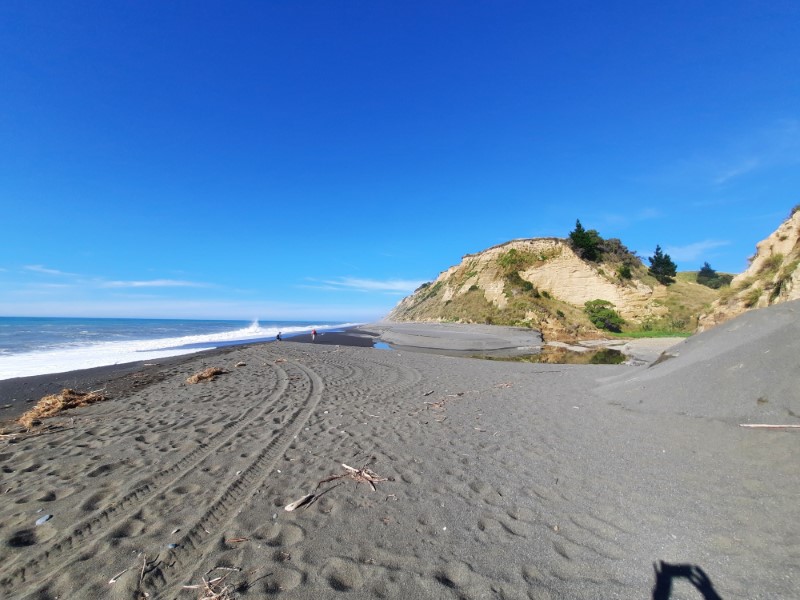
<point>666,572</point>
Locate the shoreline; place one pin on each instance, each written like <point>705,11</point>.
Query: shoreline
<point>18,394</point>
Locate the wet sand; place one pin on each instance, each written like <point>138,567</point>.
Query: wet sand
<point>503,480</point>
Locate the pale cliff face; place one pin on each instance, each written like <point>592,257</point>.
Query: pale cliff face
<point>772,277</point>
<point>568,278</point>
<point>553,269</point>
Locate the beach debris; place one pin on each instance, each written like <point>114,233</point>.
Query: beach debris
<point>362,475</point>
<point>218,568</point>
<point>113,580</point>
<point>212,589</point>
<point>436,405</point>
<point>208,374</point>
<point>768,426</point>
<point>241,364</point>
<point>172,546</point>
<point>43,520</point>
<point>237,540</point>
<point>505,384</point>
<point>50,406</point>
<point>304,501</point>
<point>427,393</point>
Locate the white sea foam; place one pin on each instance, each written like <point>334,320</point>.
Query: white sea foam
<point>99,354</point>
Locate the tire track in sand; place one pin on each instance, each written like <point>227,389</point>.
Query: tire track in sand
<point>59,554</point>
<point>201,540</point>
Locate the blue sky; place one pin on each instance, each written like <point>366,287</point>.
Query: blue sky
<point>320,159</point>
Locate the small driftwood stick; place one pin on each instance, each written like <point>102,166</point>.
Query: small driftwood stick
<point>307,499</point>
<point>768,426</point>
<point>113,580</point>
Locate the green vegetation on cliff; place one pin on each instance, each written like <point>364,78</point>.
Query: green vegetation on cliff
<point>544,284</point>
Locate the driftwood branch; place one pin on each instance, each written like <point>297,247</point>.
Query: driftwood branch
<point>362,475</point>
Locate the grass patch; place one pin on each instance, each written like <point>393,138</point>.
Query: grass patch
<point>772,264</point>
<point>653,333</point>
<point>752,297</point>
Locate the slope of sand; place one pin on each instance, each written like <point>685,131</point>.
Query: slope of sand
<point>745,370</point>
<point>505,480</point>
<point>458,339</point>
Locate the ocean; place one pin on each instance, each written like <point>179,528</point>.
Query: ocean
<point>39,345</point>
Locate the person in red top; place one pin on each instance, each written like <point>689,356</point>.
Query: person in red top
<point>313,334</point>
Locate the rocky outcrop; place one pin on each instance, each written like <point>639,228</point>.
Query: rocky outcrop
<point>772,277</point>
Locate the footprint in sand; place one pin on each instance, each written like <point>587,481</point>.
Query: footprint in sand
<point>342,575</point>
<point>280,534</point>
<point>283,579</point>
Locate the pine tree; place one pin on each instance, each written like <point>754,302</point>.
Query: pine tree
<point>662,267</point>
<point>706,272</point>
<point>586,242</point>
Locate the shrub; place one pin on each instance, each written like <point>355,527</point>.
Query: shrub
<point>518,284</point>
<point>603,316</point>
<point>783,279</point>
<point>613,249</point>
<point>513,261</point>
<point>624,272</point>
<point>772,264</point>
<point>752,297</point>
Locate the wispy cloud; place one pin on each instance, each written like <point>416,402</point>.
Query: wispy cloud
<point>392,286</point>
<point>624,220</point>
<point>695,251</point>
<point>153,283</point>
<point>46,271</point>
<point>774,145</point>
<point>732,172</point>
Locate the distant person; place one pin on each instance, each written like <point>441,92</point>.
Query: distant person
<point>313,334</point>
<point>278,337</point>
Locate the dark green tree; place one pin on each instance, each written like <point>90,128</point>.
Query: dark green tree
<point>586,242</point>
<point>706,272</point>
<point>662,267</point>
<point>710,278</point>
<point>603,316</point>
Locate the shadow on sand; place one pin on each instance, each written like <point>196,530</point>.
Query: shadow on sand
<point>666,572</point>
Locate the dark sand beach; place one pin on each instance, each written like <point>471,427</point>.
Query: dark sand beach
<point>495,479</point>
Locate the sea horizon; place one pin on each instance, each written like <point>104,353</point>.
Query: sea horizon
<point>42,345</point>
